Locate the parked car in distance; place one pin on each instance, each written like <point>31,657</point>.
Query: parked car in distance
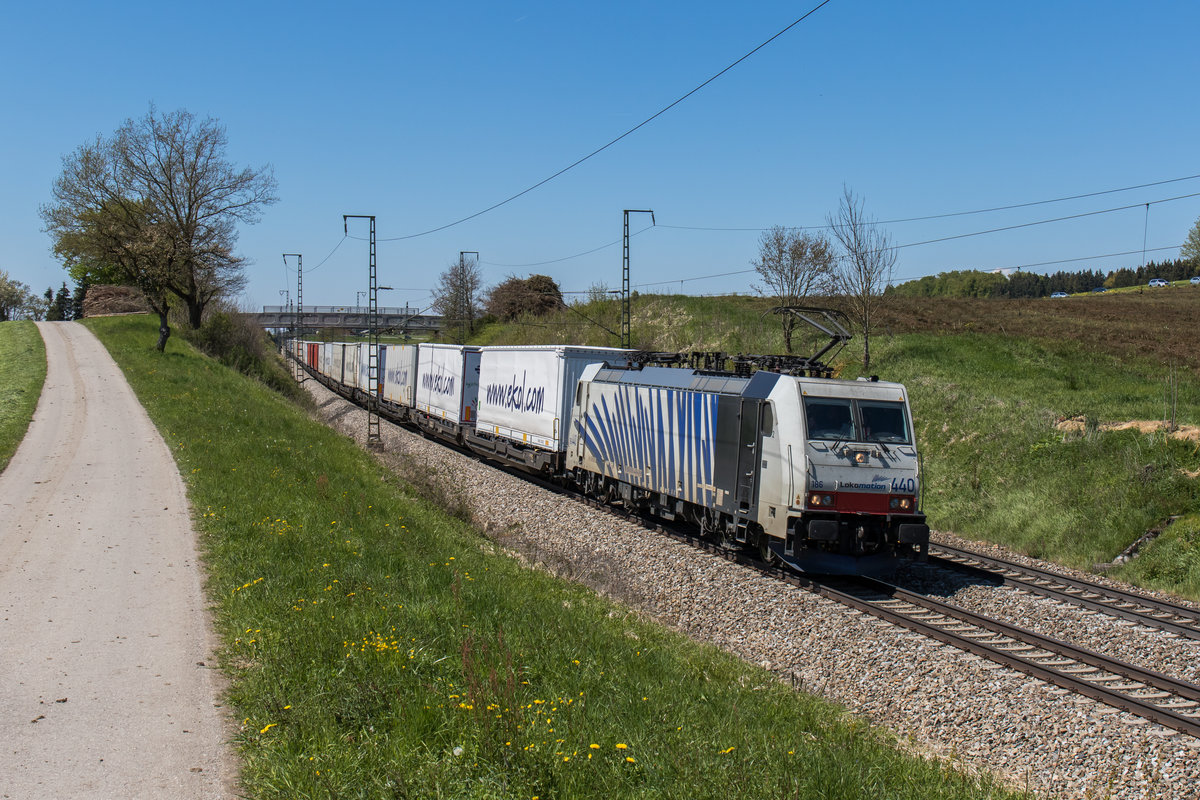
<point>1057,295</point>
<point>1099,290</point>
<point>1195,281</point>
<point>1155,282</point>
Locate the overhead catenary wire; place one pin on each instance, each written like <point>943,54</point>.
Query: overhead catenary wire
<point>1029,204</point>
<point>671,281</point>
<point>613,243</point>
<point>950,214</point>
<point>956,236</point>
<point>1017,226</point>
<point>604,147</point>
<point>1046,221</point>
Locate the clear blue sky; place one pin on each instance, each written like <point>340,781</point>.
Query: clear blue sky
<point>422,114</point>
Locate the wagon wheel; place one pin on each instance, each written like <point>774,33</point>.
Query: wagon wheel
<point>765,553</point>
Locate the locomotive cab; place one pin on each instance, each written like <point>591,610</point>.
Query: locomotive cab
<point>848,475</point>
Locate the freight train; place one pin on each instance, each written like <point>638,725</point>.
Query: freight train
<point>818,473</point>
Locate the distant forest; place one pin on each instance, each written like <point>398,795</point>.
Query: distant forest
<point>972,283</point>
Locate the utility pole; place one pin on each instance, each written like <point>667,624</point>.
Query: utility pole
<point>625,334</point>
<point>297,371</point>
<point>463,298</point>
<point>374,441</point>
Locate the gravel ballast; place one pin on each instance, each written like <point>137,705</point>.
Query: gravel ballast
<point>937,699</point>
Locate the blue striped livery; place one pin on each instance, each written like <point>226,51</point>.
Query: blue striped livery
<point>655,438</point>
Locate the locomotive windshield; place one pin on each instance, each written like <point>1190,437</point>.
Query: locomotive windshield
<point>883,422</point>
<point>856,420</point>
<point>829,418</point>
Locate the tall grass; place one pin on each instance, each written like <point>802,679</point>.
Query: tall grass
<point>378,647</point>
<point>22,373</point>
<point>1000,467</point>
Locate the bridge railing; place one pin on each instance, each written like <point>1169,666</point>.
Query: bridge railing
<point>340,310</point>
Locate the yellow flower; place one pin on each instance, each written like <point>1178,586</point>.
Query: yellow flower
<point>622,746</point>
<point>594,746</point>
<point>630,759</point>
<point>727,752</point>
<point>272,725</point>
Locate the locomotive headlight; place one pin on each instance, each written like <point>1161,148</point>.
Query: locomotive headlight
<point>901,504</point>
<point>860,457</point>
<point>817,500</point>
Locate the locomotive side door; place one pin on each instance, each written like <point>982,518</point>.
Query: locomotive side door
<point>749,447</point>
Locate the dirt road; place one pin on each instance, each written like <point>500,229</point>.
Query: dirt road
<point>106,682</point>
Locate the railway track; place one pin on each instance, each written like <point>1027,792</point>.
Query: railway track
<point>1148,611</point>
<point>1170,702</point>
<point>1159,698</point>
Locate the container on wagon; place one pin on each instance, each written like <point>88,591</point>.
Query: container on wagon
<point>448,382</point>
<point>398,366</point>
<point>526,393</point>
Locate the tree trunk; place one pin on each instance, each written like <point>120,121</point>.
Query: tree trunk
<point>164,332</point>
<point>195,313</point>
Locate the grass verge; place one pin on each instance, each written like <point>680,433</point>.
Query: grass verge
<point>378,647</point>
<point>22,373</point>
<point>998,465</point>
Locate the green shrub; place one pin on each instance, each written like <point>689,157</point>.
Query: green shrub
<point>237,342</point>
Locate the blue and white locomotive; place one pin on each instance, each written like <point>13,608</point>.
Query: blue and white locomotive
<point>819,473</point>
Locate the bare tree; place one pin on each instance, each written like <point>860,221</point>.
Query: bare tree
<point>864,267</point>
<point>157,204</point>
<point>458,295</point>
<point>792,265</point>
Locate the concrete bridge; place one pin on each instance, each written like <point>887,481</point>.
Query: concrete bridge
<point>398,318</point>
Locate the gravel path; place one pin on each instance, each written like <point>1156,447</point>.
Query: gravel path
<point>104,688</point>
<point>936,698</point>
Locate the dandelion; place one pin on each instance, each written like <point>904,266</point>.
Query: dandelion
<point>594,746</point>
<point>622,746</point>
<point>631,759</point>
<point>272,725</point>
<point>458,751</point>
<point>727,751</point>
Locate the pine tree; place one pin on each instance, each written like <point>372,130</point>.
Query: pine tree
<point>52,312</point>
<point>77,299</point>
<point>62,303</point>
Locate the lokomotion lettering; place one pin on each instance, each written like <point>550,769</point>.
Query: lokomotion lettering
<point>438,384</point>
<point>516,396</point>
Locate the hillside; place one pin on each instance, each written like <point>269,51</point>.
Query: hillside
<point>1014,403</point>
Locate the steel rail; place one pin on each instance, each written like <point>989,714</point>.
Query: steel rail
<point>1114,602</point>
<point>1028,661</point>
